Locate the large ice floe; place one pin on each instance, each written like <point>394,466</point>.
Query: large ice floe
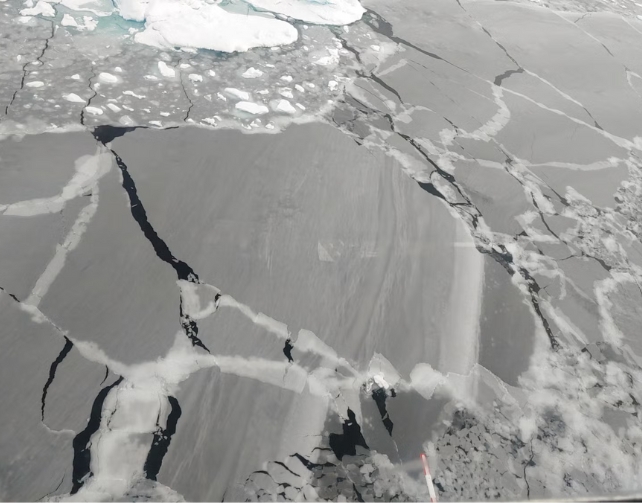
<point>230,27</point>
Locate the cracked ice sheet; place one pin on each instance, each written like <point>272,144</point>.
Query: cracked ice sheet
<point>282,224</point>
<point>42,450</point>
<point>137,297</point>
<point>578,293</point>
<point>597,79</point>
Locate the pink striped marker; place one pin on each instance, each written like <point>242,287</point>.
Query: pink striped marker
<point>431,488</point>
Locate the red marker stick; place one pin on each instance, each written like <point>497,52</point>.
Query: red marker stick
<point>431,488</point>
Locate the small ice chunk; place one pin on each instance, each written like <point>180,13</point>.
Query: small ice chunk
<point>195,77</point>
<point>94,110</point>
<point>184,66</point>
<point>74,98</point>
<point>252,108</point>
<point>300,106</point>
<point>113,108</point>
<point>375,48</point>
<point>35,83</point>
<point>331,59</point>
<point>333,85</point>
<point>132,93</point>
<point>75,76</point>
<point>252,73</point>
<point>237,93</point>
<point>270,65</point>
<point>107,78</point>
<point>310,85</point>
<point>126,120</point>
<point>156,123</point>
<point>299,88</point>
<point>67,20</point>
<point>118,69</point>
<point>150,77</point>
<point>90,23</point>
<point>211,73</point>
<point>263,91</point>
<point>221,97</point>
<point>286,92</point>
<point>210,120</point>
<point>285,106</point>
<point>286,78</point>
<point>164,114</point>
<point>166,71</point>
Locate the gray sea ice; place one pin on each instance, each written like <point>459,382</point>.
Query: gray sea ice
<point>432,248</point>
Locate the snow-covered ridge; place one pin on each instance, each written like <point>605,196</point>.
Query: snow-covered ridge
<point>204,24</point>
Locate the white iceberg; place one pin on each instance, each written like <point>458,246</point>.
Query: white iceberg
<point>199,25</point>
